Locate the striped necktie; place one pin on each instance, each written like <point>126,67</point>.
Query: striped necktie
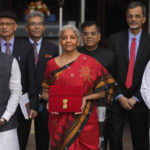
<point>8,51</point>
<point>35,52</point>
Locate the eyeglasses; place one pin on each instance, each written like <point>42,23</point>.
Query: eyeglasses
<point>6,23</point>
<point>89,33</point>
<point>36,24</point>
<point>136,16</point>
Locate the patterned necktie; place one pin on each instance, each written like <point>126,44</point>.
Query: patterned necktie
<point>7,51</point>
<point>129,77</point>
<point>35,52</point>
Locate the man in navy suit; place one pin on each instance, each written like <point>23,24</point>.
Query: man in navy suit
<point>43,52</point>
<point>23,52</point>
<point>128,100</point>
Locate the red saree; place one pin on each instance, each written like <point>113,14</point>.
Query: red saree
<point>77,132</point>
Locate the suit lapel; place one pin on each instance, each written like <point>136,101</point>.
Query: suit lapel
<point>125,47</point>
<point>41,53</point>
<point>140,49</point>
<point>15,51</point>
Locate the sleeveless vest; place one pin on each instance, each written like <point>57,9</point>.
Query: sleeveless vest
<point>5,74</point>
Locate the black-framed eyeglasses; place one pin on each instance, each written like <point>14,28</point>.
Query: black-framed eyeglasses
<point>136,16</point>
<point>6,23</point>
<point>36,24</point>
<point>89,33</point>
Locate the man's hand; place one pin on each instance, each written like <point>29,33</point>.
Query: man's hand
<point>132,101</point>
<point>2,122</point>
<point>124,102</point>
<point>33,114</point>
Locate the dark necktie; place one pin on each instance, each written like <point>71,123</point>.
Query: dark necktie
<point>35,52</point>
<point>7,51</point>
<point>129,77</point>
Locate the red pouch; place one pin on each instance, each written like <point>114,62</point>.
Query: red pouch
<point>65,98</point>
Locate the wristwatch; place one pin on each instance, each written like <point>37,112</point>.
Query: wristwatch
<point>2,121</point>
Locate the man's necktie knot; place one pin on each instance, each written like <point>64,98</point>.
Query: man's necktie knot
<point>7,51</point>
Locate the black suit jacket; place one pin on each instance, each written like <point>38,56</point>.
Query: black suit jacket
<point>23,52</point>
<point>119,45</point>
<point>47,52</point>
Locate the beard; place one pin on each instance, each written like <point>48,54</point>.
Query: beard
<point>134,26</point>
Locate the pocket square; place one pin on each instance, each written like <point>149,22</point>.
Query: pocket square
<point>48,56</point>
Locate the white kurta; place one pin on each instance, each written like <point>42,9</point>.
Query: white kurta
<point>9,139</point>
<point>145,87</point>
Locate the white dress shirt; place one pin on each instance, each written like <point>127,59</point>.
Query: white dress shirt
<point>145,87</point>
<point>15,91</point>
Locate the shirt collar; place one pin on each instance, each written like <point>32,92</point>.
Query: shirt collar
<point>38,42</point>
<point>11,41</point>
<point>131,36</point>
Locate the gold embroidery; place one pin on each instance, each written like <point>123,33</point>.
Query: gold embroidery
<point>86,72</point>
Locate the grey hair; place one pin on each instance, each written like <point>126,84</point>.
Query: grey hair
<point>74,28</point>
<point>34,14</point>
<point>136,4</point>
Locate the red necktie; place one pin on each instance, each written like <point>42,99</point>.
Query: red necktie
<point>129,77</point>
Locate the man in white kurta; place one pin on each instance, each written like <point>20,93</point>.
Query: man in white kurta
<point>9,139</point>
<point>145,89</point>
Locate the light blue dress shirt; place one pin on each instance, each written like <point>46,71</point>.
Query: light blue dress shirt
<point>3,46</point>
<point>137,37</point>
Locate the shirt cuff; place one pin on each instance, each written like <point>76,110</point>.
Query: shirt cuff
<point>6,116</point>
<point>118,96</point>
<point>136,99</point>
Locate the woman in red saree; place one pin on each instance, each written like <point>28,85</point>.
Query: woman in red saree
<point>76,131</point>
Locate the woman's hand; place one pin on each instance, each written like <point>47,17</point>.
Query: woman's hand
<point>83,103</point>
<point>83,106</point>
<point>53,113</point>
<point>45,94</point>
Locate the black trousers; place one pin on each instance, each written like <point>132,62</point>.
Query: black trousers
<point>23,130</point>
<point>41,128</point>
<point>138,121</point>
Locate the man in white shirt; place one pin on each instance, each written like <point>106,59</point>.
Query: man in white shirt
<point>145,89</point>
<point>10,92</point>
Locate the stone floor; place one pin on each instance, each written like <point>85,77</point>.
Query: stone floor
<point>126,139</point>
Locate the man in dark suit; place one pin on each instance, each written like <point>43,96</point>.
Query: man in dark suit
<point>23,52</point>
<point>43,51</point>
<point>91,37</point>
<point>132,52</point>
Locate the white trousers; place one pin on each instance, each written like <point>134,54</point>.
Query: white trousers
<point>9,140</point>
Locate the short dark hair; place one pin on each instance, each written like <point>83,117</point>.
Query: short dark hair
<point>136,4</point>
<point>88,24</point>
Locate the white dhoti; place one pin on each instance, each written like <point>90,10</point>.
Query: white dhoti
<point>9,140</point>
